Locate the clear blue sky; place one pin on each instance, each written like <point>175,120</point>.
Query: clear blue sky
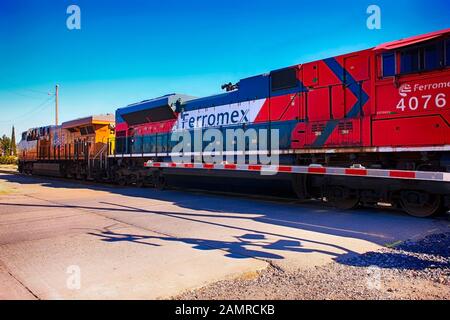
<point>127,51</point>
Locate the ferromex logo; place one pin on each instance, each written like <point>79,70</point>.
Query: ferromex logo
<point>404,89</point>
<point>417,87</point>
<point>229,114</point>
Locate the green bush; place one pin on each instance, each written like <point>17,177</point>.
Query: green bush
<point>8,160</point>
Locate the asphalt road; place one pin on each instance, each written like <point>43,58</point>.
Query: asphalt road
<point>70,240</point>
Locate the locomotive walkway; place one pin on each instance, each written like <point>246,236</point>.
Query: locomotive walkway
<point>143,243</point>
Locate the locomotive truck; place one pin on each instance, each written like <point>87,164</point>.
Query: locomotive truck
<point>360,128</point>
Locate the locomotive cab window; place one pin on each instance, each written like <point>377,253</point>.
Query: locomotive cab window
<point>388,63</point>
<point>447,52</point>
<point>409,61</point>
<point>284,79</point>
<point>83,131</point>
<point>432,57</point>
<point>90,130</point>
<point>426,57</point>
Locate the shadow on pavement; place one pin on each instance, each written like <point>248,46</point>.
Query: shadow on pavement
<point>373,225</point>
<point>238,249</point>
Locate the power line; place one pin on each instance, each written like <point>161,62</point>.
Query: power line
<point>23,95</point>
<point>35,91</point>
<point>40,107</point>
<point>14,85</point>
<point>17,91</point>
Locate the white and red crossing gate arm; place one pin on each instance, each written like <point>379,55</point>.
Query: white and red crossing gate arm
<point>312,169</point>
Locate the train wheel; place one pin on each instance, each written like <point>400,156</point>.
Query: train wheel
<point>160,182</point>
<point>342,198</point>
<point>147,181</point>
<point>98,177</point>
<point>420,204</point>
<point>443,210</point>
<point>345,204</point>
<point>299,186</point>
<point>140,183</point>
<point>132,179</point>
<point>120,180</point>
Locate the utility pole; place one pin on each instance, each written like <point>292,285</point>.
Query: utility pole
<point>56,105</point>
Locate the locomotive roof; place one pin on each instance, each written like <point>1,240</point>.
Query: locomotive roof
<point>166,100</point>
<point>157,109</point>
<point>94,119</point>
<point>412,40</point>
<point>251,88</point>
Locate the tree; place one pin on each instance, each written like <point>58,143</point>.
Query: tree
<point>13,146</point>
<point>5,145</point>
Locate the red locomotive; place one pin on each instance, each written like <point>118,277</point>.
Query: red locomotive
<point>365,127</point>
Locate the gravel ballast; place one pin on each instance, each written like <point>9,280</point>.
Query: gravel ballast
<point>412,270</point>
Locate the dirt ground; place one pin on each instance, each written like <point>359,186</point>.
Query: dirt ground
<point>418,270</point>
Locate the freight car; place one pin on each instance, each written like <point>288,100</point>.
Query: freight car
<point>360,128</point>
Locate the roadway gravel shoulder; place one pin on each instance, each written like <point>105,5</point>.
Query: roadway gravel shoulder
<point>411,270</point>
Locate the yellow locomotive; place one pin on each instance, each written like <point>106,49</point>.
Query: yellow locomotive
<point>76,148</point>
